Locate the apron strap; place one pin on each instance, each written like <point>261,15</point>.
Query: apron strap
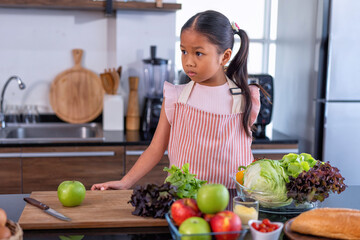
<point>236,93</point>
<point>185,93</point>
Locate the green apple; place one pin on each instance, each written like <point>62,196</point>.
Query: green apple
<point>212,198</point>
<point>71,193</point>
<point>195,225</point>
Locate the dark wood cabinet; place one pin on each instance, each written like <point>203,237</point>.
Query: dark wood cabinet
<point>273,150</point>
<point>27,169</point>
<point>10,170</point>
<point>156,175</point>
<point>44,168</point>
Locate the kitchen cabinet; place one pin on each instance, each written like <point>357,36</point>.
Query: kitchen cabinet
<point>44,168</point>
<point>273,150</point>
<point>10,170</point>
<point>155,176</point>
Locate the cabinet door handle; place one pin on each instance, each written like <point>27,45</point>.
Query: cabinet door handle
<point>10,155</point>
<point>58,154</point>
<point>68,154</point>
<point>275,151</point>
<point>138,152</point>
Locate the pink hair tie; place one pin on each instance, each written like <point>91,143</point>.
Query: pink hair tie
<point>235,27</point>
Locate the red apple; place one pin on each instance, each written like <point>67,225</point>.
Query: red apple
<point>184,208</point>
<point>225,221</point>
<point>208,216</point>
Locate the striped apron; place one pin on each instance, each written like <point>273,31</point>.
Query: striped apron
<point>214,145</point>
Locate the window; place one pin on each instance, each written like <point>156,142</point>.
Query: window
<point>257,17</point>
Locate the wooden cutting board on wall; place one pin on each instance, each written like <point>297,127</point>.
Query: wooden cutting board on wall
<point>76,95</point>
<point>100,209</point>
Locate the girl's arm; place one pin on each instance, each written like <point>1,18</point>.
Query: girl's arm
<point>148,159</point>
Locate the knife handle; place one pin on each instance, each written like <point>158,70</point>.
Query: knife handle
<point>36,203</point>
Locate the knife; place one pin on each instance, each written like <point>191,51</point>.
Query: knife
<point>46,208</point>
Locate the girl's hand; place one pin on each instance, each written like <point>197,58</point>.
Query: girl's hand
<point>112,185</point>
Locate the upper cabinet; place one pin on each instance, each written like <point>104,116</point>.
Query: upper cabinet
<point>100,5</point>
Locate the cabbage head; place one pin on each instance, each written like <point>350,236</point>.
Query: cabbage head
<point>267,176</point>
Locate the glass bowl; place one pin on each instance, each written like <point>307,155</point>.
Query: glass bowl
<point>176,235</point>
<point>269,206</point>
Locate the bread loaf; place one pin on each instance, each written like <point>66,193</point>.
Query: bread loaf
<point>339,223</point>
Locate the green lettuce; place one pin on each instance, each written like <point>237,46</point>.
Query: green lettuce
<point>267,176</point>
<point>186,183</point>
<point>294,164</point>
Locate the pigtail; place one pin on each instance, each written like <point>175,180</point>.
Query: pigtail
<point>237,71</point>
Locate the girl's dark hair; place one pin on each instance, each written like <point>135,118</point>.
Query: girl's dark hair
<point>217,28</point>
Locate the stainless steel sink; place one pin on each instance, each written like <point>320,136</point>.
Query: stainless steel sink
<point>52,132</point>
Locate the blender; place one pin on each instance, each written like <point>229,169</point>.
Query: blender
<point>155,74</point>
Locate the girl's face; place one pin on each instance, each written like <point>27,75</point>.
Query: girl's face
<point>201,60</point>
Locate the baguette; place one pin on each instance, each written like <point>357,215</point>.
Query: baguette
<point>339,223</point>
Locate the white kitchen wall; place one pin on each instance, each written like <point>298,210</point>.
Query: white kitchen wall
<point>36,45</point>
<point>295,76</point>
<point>136,32</point>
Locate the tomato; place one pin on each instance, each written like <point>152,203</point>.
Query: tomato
<point>265,226</point>
<point>275,226</point>
<point>266,222</point>
<point>255,225</point>
<point>262,225</point>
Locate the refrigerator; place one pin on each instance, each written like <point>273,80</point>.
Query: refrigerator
<point>337,119</point>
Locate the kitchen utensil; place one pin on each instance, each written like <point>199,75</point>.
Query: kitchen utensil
<point>76,95</point>
<point>119,71</point>
<point>107,82</point>
<point>265,112</point>
<point>155,74</point>
<point>133,114</point>
<point>100,209</point>
<point>116,78</point>
<point>110,80</point>
<point>46,208</point>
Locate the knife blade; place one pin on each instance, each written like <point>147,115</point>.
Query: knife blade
<point>46,209</point>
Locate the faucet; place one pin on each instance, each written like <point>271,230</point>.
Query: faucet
<point>21,86</point>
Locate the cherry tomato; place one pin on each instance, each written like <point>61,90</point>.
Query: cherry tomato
<point>255,226</point>
<point>262,225</point>
<point>265,226</point>
<point>275,226</point>
<point>266,222</point>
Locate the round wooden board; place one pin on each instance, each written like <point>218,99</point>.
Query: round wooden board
<point>298,236</point>
<point>76,95</point>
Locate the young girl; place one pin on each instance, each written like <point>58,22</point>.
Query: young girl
<point>206,122</point>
